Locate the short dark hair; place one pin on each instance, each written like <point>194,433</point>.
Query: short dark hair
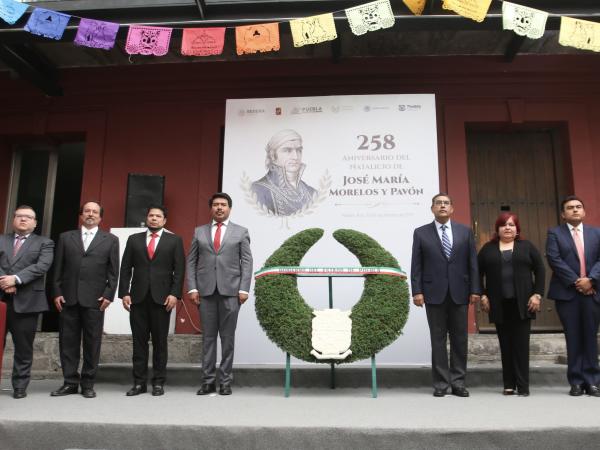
<point>91,201</point>
<point>26,207</point>
<point>440,194</point>
<point>220,195</point>
<point>161,207</point>
<point>570,198</point>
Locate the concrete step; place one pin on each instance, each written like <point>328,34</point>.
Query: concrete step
<point>309,376</point>
<point>185,355</point>
<point>262,418</point>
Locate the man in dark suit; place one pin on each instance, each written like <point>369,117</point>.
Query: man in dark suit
<point>157,260</point>
<point>219,272</point>
<point>24,260</point>
<point>445,278</point>
<point>573,253</point>
<point>86,271</point>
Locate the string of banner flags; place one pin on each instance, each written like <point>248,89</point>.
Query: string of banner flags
<point>376,15</point>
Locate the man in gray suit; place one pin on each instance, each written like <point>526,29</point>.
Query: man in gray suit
<point>24,260</point>
<point>219,272</point>
<point>86,270</point>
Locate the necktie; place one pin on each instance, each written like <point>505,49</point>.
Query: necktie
<point>446,246</point>
<point>580,251</point>
<point>18,243</point>
<point>217,240</point>
<point>152,245</point>
<point>86,240</point>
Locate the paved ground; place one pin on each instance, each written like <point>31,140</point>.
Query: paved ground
<point>547,407</point>
<point>312,418</point>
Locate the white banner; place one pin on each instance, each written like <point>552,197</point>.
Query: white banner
<point>368,163</point>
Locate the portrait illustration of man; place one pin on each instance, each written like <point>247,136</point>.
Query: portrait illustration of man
<point>282,190</point>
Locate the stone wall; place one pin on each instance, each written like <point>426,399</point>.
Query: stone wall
<point>116,349</point>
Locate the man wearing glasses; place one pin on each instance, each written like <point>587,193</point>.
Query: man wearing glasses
<point>24,260</point>
<point>445,278</point>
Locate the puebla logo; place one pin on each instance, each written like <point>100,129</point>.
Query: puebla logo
<point>374,322</point>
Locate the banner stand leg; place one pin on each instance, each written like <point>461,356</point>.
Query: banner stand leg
<point>332,378</point>
<point>288,375</point>
<point>373,377</point>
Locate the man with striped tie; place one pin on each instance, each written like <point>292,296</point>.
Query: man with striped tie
<point>445,278</point>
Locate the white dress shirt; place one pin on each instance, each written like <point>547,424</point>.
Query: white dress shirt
<point>92,234</point>
<point>579,231</point>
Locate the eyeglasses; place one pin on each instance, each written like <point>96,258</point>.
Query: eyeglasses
<point>442,202</point>
<point>24,216</point>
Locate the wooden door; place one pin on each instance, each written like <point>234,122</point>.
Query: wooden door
<point>520,172</point>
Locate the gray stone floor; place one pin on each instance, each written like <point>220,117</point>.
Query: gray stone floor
<point>348,413</point>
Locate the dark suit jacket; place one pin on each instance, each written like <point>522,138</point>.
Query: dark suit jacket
<point>529,276</point>
<point>162,276</point>
<point>433,275</point>
<point>30,264</point>
<point>83,277</point>
<point>562,257</point>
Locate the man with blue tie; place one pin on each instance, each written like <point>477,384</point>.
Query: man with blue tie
<point>445,278</point>
<point>573,253</point>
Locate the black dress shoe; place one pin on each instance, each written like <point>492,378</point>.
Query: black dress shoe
<point>224,389</point>
<point>460,391</point>
<point>439,392</point>
<point>19,393</point>
<point>88,392</point>
<point>157,390</point>
<point>592,391</point>
<point>523,392</point>
<point>206,389</point>
<point>65,389</point>
<point>136,390</point>
<point>576,390</point>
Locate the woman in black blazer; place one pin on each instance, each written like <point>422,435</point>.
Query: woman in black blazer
<point>512,277</point>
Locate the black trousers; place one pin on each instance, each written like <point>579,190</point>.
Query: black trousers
<point>513,335</point>
<point>448,319</point>
<point>78,325</point>
<point>149,319</point>
<point>22,327</point>
<point>580,318</point>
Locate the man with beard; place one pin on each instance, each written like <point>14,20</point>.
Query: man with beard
<point>86,270</point>
<point>281,190</point>
<point>157,260</point>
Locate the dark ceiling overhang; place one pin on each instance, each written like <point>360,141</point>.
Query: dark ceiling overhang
<point>436,32</point>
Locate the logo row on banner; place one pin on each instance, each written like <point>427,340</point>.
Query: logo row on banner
<point>376,15</point>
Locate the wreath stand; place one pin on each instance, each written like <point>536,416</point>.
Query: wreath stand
<point>288,370</point>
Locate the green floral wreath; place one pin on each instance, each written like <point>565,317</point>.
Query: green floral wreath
<point>377,318</point>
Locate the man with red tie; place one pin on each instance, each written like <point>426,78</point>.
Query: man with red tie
<point>573,253</point>
<point>219,272</point>
<point>157,260</point>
